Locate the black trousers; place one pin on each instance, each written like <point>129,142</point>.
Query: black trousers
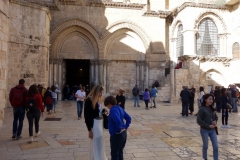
<point>117,142</point>
<point>34,116</point>
<point>49,107</point>
<point>146,103</point>
<point>191,105</point>
<point>225,117</point>
<point>185,108</point>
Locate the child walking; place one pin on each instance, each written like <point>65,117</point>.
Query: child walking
<point>116,127</point>
<point>146,98</point>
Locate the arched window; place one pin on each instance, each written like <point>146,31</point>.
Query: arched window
<point>236,50</point>
<point>207,38</point>
<point>179,41</point>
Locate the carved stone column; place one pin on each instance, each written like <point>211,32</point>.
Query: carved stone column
<point>55,71</point>
<point>92,83</point>
<point>147,75</point>
<point>96,73</point>
<point>50,81</point>
<point>60,77</point>
<point>100,71</point>
<point>138,77</point>
<point>107,76</point>
<point>142,75</point>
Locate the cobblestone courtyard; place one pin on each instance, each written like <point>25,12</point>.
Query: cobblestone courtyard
<point>155,134</point>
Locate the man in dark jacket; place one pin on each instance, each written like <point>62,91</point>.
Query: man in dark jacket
<point>185,97</point>
<point>217,96</point>
<point>135,92</point>
<point>17,97</point>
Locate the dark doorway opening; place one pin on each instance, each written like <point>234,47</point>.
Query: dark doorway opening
<point>77,72</point>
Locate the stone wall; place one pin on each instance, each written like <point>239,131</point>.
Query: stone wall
<point>28,44</point>
<point>4,9</point>
<point>122,74</point>
<point>181,78</point>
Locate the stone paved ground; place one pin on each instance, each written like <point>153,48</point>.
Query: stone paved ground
<point>156,134</point>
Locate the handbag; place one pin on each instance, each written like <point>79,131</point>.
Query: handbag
<point>229,106</point>
<point>105,119</point>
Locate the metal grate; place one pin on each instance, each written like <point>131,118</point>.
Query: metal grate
<point>52,119</point>
<point>180,41</point>
<point>207,38</point>
<point>235,50</point>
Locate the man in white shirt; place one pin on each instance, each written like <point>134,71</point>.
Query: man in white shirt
<point>80,95</point>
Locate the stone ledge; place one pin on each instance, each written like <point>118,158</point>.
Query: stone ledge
<point>160,14</point>
<point>117,5</point>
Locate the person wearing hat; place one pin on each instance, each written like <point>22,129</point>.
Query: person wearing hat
<point>121,98</point>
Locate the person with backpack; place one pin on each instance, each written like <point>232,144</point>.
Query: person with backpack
<point>34,108</point>
<point>135,92</point>
<point>48,100</point>
<point>54,92</point>
<point>17,98</point>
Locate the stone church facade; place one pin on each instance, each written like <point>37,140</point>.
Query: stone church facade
<point>128,42</point>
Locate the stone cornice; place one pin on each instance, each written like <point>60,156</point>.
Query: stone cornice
<point>206,58</point>
<point>109,4</point>
<point>159,52</point>
<point>198,5</point>
<point>28,4</point>
<point>160,14</point>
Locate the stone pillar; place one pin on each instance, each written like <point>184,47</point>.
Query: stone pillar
<point>189,47</point>
<point>92,83</point>
<point>55,71</point>
<point>100,71</point>
<point>96,73</point>
<point>107,76</point>
<point>50,81</point>
<point>142,75</point>
<point>147,75</point>
<point>138,77</point>
<point>60,78</point>
<point>223,45</point>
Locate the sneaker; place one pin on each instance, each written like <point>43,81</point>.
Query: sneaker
<point>79,118</point>
<point>223,126</point>
<point>37,134</point>
<point>228,126</point>
<point>154,107</point>
<point>30,140</point>
<point>138,106</point>
<point>14,136</point>
<point>18,137</point>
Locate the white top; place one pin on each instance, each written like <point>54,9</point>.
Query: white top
<point>200,95</point>
<point>80,95</point>
<point>54,94</point>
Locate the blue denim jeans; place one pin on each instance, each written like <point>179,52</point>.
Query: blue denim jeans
<point>234,105</point>
<point>136,100</point>
<point>79,108</point>
<point>18,114</point>
<point>213,137</point>
<point>54,103</point>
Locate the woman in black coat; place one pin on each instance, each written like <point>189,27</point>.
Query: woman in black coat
<point>121,98</point>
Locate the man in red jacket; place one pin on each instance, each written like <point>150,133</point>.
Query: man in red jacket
<point>17,97</point>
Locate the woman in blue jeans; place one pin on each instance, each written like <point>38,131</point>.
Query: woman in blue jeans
<point>207,119</point>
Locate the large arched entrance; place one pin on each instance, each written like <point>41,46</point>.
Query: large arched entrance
<point>74,45</point>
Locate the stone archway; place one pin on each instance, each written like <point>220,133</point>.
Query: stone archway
<point>75,40</point>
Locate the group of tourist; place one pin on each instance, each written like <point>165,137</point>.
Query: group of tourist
<point>116,119</point>
<point>225,99</point>
<point>32,101</point>
<point>147,96</point>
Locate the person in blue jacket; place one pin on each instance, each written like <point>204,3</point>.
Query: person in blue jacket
<point>153,95</point>
<point>117,128</point>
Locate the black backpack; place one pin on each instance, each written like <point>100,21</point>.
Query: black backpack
<point>31,105</point>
